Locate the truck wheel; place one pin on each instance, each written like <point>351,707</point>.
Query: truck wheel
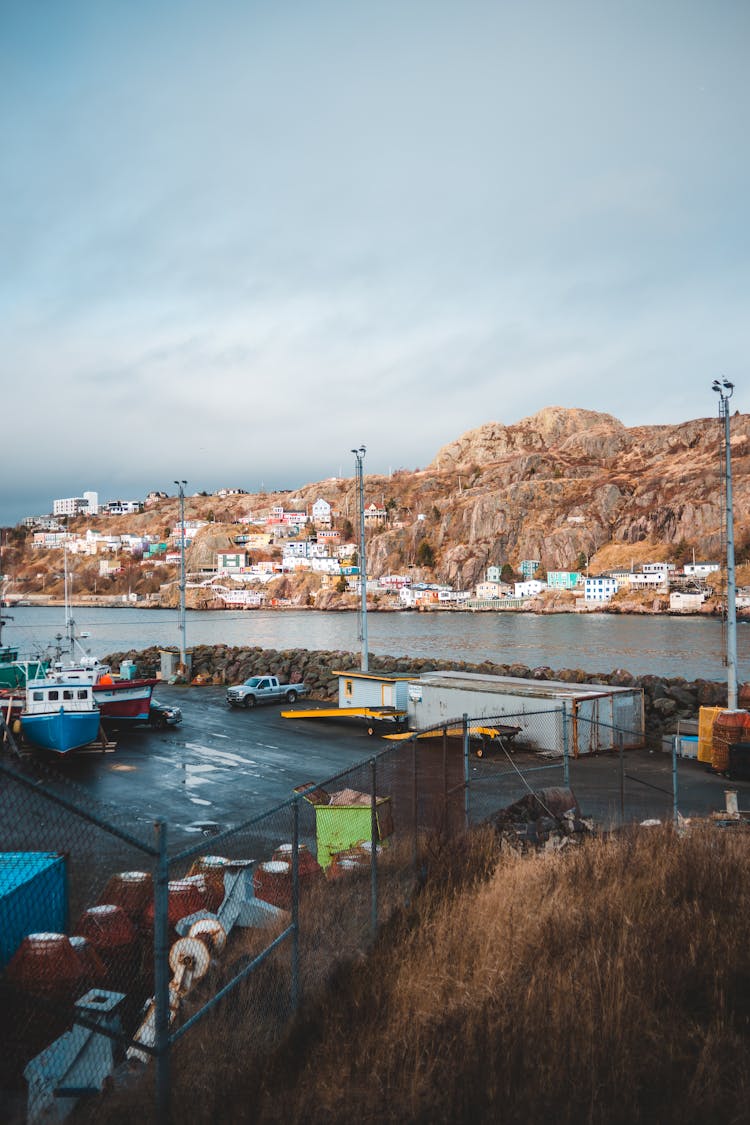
<point>249,700</point>
<point>291,696</point>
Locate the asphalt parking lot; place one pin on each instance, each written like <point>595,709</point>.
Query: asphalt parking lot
<point>221,767</point>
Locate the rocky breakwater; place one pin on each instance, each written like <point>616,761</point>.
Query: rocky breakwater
<point>665,700</point>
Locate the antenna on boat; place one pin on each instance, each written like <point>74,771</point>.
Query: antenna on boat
<point>359,455</point>
<point>724,389</point>
<point>6,617</point>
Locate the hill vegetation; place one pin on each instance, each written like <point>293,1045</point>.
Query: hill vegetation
<point>603,984</point>
<point>565,486</point>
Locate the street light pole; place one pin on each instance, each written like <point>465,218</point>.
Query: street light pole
<point>181,619</point>
<point>359,455</point>
<point>725,390</point>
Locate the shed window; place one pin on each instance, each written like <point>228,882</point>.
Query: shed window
<point>348,688</point>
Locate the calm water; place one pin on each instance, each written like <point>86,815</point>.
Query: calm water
<point>691,647</point>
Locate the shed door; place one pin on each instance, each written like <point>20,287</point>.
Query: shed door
<point>387,695</point>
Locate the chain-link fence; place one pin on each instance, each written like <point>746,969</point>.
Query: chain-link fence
<point>122,956</point>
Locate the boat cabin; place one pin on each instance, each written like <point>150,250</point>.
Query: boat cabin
<point>43,696</point>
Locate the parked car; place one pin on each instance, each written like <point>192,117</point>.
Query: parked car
<point>263,689</point>
<point>161,715</point>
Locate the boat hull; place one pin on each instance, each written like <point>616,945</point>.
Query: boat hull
<point>61,731</point>
<point>127,701</point>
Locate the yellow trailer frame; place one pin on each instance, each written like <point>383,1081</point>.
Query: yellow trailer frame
<point>372,714</point>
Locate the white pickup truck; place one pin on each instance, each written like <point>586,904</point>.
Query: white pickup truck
<point>263,689</point>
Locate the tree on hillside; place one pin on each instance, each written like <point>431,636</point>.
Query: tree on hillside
<point>425,554</point>
<point>581,562</point>
<point>347,531</point>
<point>507,574</point>
<point>541,573</point>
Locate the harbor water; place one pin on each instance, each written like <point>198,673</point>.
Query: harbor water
<point>691,647</point>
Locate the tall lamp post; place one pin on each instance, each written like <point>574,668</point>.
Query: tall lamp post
<point>724,389</point>
<point>181,619</point>
<point>359,456</point>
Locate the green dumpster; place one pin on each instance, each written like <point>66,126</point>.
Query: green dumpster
<point>344,819</point>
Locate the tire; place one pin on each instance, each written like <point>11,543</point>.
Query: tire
<point>291,696</point>
<point>249,701</point>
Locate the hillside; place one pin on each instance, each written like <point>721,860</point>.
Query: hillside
<point>560,486</point>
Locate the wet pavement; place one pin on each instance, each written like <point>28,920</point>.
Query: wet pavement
<point>221,767</point>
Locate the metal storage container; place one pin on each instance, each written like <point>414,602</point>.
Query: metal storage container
<point>33,897</point>
<point>706,720</point>
<point>595,712</point>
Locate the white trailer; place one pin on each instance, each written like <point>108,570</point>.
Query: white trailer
<point>594,713</point>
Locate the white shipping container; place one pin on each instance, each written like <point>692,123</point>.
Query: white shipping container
<point>594,712</point>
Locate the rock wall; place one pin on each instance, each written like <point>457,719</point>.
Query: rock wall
<point>665,700</point>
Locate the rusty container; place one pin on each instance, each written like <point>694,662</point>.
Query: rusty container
<point>46,965</point>
<point>213,867</point>
<point>115,939</point>
<point>706,720</point>
<point>94,969</point>
<point>272,882</point>
<point>347,864</point>
<point>44,979</point>
<point>308,867</point>
<point>210,888</point>
<point>185,896</point>
<point>132,890</point>
<point>729,727</point>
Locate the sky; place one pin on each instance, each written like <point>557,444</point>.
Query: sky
<point>239,238</point>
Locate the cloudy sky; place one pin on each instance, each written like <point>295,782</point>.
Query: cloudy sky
<point>238,238</point>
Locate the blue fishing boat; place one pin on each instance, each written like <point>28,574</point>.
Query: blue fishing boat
<point>59,715</point>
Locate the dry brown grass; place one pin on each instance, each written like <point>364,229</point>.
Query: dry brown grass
<point>607,984</point>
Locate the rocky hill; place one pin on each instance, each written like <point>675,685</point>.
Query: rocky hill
<point>560,486</point>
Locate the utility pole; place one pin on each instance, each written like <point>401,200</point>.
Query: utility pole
<point>181,619</point>
<point>725,390</point>
<point>359,455</point>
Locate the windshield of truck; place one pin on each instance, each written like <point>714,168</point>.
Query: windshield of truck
<point>253,681</point>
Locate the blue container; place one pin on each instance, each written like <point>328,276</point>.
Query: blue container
<point>33,897</point>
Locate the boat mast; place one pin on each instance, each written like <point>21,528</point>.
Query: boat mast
<point>359,455</point>
<point>70,626</point>
<point>725,390</point>
<point>181,617</point>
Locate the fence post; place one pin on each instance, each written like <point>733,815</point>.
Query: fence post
<point>415,803</point>
<point>621,746</point>
<point>465,721</point>
<point>566,751</point>
<point>161,974</point>
<point>446,819</point>
<point>295,907</point>
<point>374,851</point>
<point>675,812</point>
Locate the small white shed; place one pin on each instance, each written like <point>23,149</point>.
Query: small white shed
<point>373,689</point>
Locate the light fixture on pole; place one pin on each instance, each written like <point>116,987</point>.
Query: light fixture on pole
<point>359,455</point>
<point>181,620</point>
<point>724,389</point>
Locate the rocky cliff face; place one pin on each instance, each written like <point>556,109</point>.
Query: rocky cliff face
<point>555,486</point>
<point>570,482</point>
